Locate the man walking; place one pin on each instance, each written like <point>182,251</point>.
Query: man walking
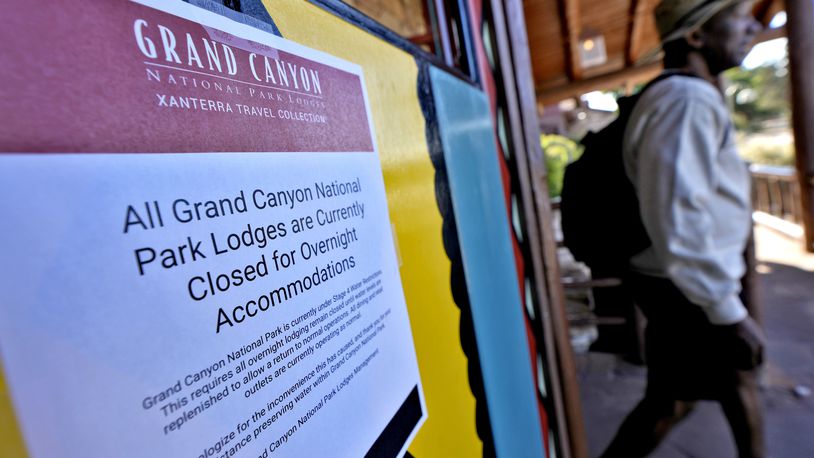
<point>694,197</point>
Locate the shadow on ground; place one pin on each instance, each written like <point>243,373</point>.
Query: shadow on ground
<point>611,387</point>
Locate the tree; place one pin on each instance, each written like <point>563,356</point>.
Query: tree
<point>758,95</point>
<point>559,152</point>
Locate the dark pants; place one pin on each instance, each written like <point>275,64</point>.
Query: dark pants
<point>688,359</point>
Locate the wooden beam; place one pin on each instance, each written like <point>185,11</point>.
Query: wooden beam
<point>423,39</point>
<point>638,8</point>
<point>571,25</point>
<point>771,34</point>
<point>765,10</point>
<point>801,47</point>
<point>630,75</point>
<point>608,81</point>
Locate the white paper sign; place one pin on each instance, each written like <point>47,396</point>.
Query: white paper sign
<point>201,304</point>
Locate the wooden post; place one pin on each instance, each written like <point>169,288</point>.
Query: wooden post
<point>797,206</point>
<point>764,201</point>
<point>516,64</point>
<point>800,28</point>
<point>777,198</point>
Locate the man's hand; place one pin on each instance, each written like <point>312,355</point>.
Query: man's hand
<point>743,344</point>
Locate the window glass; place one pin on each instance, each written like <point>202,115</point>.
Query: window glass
<point>436,26</point>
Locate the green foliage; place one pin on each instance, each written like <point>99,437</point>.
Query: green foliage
<point>758,95</point>
<point>559,152</point>
<point>760,101</point>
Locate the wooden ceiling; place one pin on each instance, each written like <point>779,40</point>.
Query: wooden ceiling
<point>555,28</point>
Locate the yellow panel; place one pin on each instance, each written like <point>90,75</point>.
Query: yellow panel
<point>11,441</point>
<point>391,77</point>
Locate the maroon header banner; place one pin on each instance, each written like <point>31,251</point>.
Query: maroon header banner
<point>113,76</point>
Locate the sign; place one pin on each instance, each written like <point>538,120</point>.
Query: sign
<point>234,294</point>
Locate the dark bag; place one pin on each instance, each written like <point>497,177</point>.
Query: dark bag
<point>601,223</point>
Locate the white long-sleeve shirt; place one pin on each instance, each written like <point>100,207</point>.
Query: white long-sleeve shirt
<point>694,193</point>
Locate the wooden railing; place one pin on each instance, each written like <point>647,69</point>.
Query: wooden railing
<point>776,191</point>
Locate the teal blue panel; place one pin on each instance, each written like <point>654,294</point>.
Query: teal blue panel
<point>467,137</point>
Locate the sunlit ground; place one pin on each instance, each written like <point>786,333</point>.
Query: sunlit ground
<point>611,387</point>
<point>773,248</point>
